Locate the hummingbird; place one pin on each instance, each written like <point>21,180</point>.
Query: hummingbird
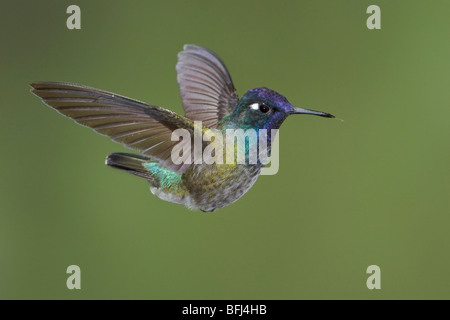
<point>208,95</point>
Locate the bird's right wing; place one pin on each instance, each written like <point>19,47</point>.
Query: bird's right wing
<point>206,88</point>
<point>136,124</point>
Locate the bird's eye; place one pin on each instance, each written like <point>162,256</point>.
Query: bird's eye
<point>264,108</point>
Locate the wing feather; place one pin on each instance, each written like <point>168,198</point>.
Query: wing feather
<point>136,124</point>
<point>206,87</point>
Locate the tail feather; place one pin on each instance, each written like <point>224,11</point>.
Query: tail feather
<point>166,184</point>
<point>131,163</point>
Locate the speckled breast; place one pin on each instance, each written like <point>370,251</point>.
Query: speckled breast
<point>215,186</point>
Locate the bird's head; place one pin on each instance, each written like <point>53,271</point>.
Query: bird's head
<point>262,108</point>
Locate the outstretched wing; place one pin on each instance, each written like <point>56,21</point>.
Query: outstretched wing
<point>135,124</point>
<point>206,88</point>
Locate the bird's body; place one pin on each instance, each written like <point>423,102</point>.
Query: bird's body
<point>205,187</point>
<point>232,182</point>
<point>208,96</point>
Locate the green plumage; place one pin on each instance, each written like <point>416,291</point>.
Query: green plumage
<point>168,181</point>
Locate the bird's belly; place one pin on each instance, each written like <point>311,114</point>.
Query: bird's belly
<point>215,186</point>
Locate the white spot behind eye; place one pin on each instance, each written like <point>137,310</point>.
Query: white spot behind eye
<point>255,106</point>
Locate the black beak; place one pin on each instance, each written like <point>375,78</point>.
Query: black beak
<point>315,113</point>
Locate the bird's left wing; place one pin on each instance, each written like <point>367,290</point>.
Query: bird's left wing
<point>136,124</point>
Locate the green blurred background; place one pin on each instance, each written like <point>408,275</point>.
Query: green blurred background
<point>373,189</point>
